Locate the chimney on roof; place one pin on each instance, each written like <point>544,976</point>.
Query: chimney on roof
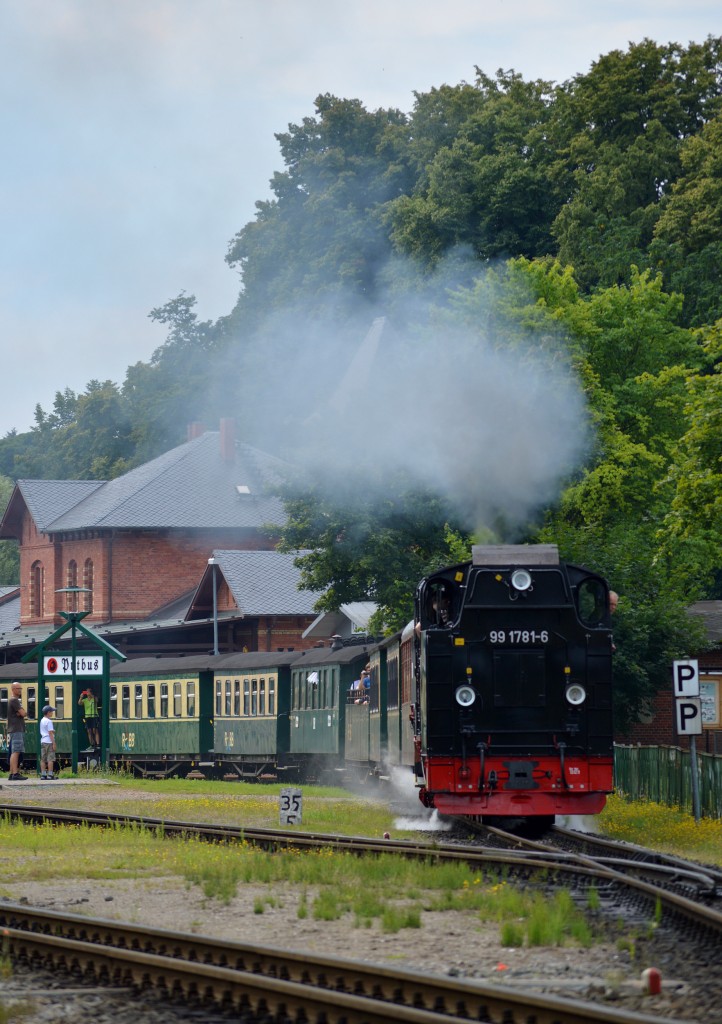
<point>228,440</point>
<point>195,430</point>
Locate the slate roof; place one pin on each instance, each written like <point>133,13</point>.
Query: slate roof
<point>48,499</point>
<point>189,487</point>
<point>265,582</point>
<point>350,618</point>
<point>10,610</point>
<point>711,614</point>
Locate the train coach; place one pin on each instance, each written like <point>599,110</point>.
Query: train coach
<point>514,687</point>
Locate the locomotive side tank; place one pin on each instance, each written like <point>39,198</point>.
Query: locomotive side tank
<point>514,686</point>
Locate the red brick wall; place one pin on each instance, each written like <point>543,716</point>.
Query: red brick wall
<point>144,570</point>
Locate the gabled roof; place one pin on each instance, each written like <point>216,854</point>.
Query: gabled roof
<point>350,618</point>
<point>190,487</point>
<point>46,500</point>
<point>261,583</point>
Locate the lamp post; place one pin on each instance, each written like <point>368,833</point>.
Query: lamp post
<point>212,562</point>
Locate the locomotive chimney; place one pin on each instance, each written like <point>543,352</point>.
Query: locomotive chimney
<point>195,430</point>
<point>228,440</point>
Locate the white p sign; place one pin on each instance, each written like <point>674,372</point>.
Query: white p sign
<point>689,716</point>
<point>686,678</point>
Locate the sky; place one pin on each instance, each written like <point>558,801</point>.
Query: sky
<point>137,136</point>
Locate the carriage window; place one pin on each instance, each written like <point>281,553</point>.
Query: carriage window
<point>125,701</point>
<point>191,691</point>
<point>272,696</point>
<point>219,696</point>
<point>592,602</point>
<point>164,700</point>
<point>3,703</point>
<point>228,697</point>
<point>262,697</point>
<point>59,702</point>
<point>246,697</point>
<point>32,702</point>
<point>254,696</point>
<point>138,700</point>
<point>236,697</point>
<point>151,700</point>
<point>177,700</point>
<point>113,710</point>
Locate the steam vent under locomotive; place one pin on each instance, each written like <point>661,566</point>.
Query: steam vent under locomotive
<point>514,686</point>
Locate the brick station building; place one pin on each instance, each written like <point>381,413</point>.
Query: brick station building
<point>139,547</point>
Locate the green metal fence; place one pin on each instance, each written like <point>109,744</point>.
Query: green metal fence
<point>664,774</point>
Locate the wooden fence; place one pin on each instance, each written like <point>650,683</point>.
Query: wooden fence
<point>664,774</point>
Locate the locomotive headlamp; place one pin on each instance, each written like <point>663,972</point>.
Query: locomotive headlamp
<point>576,694</point>
<point>521,579</point>
<point>465,695</point>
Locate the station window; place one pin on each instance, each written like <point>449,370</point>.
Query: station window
<point>262,697</point>
<point>125,701</point>
<point>237,697</point>
<point>113,709</point>
<point>178,700</point>
<point>246,697</point>
<point>219,697</point>
<point>228,704</point>
<point>151,700</point>
<point>164,700</point>
<point>191,692</point>
<point>272,695</point>
<point>88,578</point>
<point>138,700</point>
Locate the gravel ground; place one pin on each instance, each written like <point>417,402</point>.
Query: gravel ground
<point>450,942</point>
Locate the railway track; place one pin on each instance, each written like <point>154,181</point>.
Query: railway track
<point>696,916</point>
<point>698,908</point>
<point>267,984</point>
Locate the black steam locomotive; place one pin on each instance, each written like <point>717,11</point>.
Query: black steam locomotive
<point>514,686</point>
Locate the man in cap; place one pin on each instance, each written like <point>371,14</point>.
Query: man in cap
<point>16,731</point>
<point>47,743</point>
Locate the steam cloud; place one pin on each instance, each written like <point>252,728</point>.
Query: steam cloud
<point>492,423</point>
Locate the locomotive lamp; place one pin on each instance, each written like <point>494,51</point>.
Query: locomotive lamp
<point>465,695</point>
<point>521,580</point>
<point>576,694</point>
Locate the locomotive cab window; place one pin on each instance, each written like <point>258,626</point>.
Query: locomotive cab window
<point>592,602</point>
<point>440,603</point>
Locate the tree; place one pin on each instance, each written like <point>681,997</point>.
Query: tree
<point>362,548</point>
<point>687,243</point>
<point>628,118</point>
<point>486,179</point>
<point>9,556</point>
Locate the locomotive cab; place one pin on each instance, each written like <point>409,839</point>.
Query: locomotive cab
<point>514,686</point>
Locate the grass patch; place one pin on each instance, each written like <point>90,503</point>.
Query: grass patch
<point>663,828</point>
<point>331,885</point>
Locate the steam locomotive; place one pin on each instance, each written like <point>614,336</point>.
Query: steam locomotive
<point>514,683</point>
<point>497,698</point>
